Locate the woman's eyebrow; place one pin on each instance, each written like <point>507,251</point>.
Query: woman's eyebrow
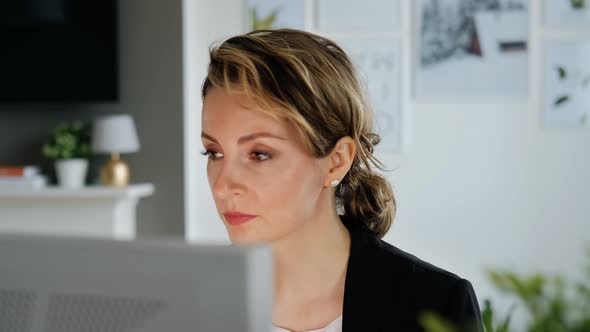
<point>246,138</point>
<point>254,136</point>
<point>209,137</point>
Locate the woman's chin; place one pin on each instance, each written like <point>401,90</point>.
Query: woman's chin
<point>244,237</point>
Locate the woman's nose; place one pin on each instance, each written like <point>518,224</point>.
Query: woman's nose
<point>227,182</point>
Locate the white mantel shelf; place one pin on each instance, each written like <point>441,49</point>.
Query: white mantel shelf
<point>93,211</point>
<point>89,192</point>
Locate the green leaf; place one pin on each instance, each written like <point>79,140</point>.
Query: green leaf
<point>578,4</point>
<point>432,322</point>
<point>268,22</point>
<point>561,99</point>
<point>254,17</point>
<point>561,72</point>
<point>552,303</point>
<point>506,323</point>
<point>487,316</point>
<point>261,23</point>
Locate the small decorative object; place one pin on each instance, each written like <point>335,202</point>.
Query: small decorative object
<point>115,134</point>
<point>21,176</point>
<point>69,146</point>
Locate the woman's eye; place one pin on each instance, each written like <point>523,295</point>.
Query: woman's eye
<point>261,156</point>
<point>212,154</point>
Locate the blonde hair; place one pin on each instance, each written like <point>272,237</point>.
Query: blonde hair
<point>311,82</point>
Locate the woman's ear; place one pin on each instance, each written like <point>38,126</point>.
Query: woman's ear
<point>340,159</point>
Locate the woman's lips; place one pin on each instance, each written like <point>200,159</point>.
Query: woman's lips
<point>237,218</point>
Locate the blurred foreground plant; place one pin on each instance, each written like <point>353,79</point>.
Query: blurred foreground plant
<point>553,305</point>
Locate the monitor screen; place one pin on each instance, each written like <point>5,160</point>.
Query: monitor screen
<point>52,283</point>
<point>58,50</point>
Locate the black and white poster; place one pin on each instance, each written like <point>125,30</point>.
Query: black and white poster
<point>472,49</point>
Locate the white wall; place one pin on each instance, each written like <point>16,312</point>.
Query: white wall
<point>483,186</point>
<point>486,186</point>
<point>480,185</point>
<point>151,70</point>
<point>204,22</point>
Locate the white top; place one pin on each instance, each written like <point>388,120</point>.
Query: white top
<point>335,326</point>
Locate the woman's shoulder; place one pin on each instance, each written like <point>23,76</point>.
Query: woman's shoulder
<point>407,283</point>
<point>390,258</point>
<point>393,263</point>
<point>399,262</point>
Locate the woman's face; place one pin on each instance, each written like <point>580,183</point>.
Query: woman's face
<point>257,166</point>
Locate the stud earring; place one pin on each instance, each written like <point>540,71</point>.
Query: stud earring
<point>334,182</point>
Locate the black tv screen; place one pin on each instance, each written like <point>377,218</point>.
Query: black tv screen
<point>58,51</point>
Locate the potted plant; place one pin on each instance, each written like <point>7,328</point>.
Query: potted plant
<point>69,147</point>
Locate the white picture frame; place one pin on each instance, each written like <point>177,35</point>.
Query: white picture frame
<point>481,56</point>
<point>379,63</point>
<point>563,13</point>
<point>377,38</point>
<point>353,16</point>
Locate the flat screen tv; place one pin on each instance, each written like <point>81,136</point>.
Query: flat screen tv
<point>58,51</point>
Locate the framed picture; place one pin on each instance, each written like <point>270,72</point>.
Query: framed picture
<point>567,84</point>
<point>366,34</point>
<point>379,63</point>
<point>471,49</point>
<point>346,16</point>
<point>275,14</point>
<point>567,13</point>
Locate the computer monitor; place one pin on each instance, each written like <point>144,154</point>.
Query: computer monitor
<point>51,284</point>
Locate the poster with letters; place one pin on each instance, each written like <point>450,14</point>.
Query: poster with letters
<point>378,61</point>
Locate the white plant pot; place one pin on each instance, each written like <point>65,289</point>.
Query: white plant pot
<point>71,173</point>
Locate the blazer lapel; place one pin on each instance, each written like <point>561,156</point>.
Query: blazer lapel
<point>361,296</point>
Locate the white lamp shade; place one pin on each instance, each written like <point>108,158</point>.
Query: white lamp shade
<point>114,134</point>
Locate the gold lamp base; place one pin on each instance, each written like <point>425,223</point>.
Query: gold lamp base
<point>115,172</point>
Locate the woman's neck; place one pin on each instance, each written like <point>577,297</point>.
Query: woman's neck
<point>310,264</point>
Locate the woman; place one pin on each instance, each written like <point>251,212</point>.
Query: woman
<point>288,133</point>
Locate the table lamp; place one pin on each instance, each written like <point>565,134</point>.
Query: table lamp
<point>114,134</point>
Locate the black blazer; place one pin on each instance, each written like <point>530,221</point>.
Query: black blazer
<point>386,289</point>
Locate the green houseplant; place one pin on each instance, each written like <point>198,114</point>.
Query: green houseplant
<point>69,147</point>
<point>552,304</point>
